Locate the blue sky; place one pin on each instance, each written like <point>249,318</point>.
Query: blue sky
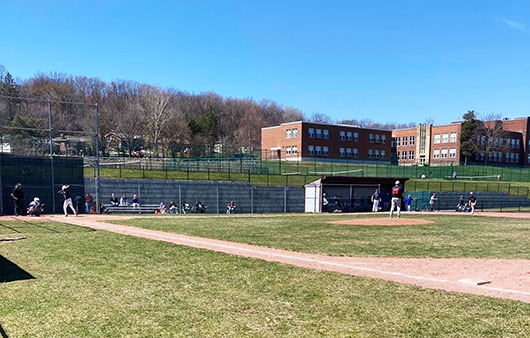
<point>390,61</point>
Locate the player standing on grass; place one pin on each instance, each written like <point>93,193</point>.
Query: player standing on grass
<point>67,200</point>
<point>18,198</point>
<point>397,196</point>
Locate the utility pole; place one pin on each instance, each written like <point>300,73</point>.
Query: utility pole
<point>51,152</point>
<point>98,208</point>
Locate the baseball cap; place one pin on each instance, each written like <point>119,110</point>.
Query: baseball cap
<point>397,182</point>
<point>64,187</point>
<point>471,193</point>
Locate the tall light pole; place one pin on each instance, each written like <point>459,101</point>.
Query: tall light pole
<point>98,208</point>
<point>51,152</point>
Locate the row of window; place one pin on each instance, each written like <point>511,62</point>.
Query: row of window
<point>445,138</point>
<point>317,150</point>
<point>405,141</point>
<point>348,135</point>
<point>291,133</point>
<point>293,150</point>
<point>498,157</point>
<point>318,133</point>
<point>403,155</point>
<point>377,138</point>
<point>442,153</point>
<point>499,141</point>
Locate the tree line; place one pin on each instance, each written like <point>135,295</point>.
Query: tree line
<point>162,118</point>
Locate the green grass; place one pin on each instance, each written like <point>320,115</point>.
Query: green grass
<point>99,284</point>
<point>449,236</point>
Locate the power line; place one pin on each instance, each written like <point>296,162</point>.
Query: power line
<point>37,99</point>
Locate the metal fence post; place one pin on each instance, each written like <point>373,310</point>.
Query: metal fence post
<point>217,196</point>
<point>251,199</point>
<point>284,200</point>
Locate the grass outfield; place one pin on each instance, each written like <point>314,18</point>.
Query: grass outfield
<point>449,236</point>
<point>99,284</point>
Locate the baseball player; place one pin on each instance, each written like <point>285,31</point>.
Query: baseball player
<point>472,202</point>
<point>67,200</point>
<point>397,195</point>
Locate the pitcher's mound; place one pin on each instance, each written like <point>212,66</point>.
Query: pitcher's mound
<point>382,221</point>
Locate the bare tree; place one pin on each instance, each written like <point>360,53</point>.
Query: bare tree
<point>157,115</point>
<point>491,135</point>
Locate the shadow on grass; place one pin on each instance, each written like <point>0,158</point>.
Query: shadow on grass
<point>2,332</point>
<point>10,272</point>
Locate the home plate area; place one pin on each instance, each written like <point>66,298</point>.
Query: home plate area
<point>382,221</point>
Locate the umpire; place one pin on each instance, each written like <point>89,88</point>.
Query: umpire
<point>18,198</point>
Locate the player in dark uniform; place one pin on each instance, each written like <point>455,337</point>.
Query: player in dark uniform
<point>397,196</point>
<point>67,200</point>
<point>18,199</point>
<point>472,202</point>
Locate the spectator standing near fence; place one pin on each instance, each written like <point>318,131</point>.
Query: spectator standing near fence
<point>88,202</point>
<point>78,203</point>
<point>472,202</point>
<point>397,196</point>
<point>408,202</point>
<point>376,199</point>
<point>432,201</point>
<point>18,198</point>
<point>67,200</point>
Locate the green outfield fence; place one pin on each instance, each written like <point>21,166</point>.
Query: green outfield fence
<point>468,177</point>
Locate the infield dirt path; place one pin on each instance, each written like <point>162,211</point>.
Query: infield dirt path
<point>507,278</point>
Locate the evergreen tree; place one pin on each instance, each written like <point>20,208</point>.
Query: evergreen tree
<point>468,133</point>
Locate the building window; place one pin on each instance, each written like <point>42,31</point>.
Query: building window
<point>342,135</point>
<point>370,153</point>
<point>445,138</point>
<point>404,140</point>
<point>453,137</point>
<point>507,157</point>
<point>376,153</point>
<point>341,152</point>
<point>412,140</point>
<point>403,155</point>
<point>512,156</point>
<point>513,143</point>
<point>377,138</point>
<point>398,141</point>
<point>383,139</point>
<point>319,133</point>
<point>355,136</point>
<point>383,154</point>
<point>436,139</point>
<point>295,150</point>
<point>325,151</point>
<point>436,153</point>
<point>518,144</point>
<point>326,134</point>
<point>411,154</point>
<point>348,152</point>
<point>288,133</point>
<point>393,142</point>
<point>397,155</point>
<point>355,152</point>
<point>452,153</point>
<point>310,150</point>
<point>444,153</point>
<point>295,133</point>
<point>371,138</point>
<point>482,139</point>
<point>311,132</point>
<point>287,150</point>
<point>318,150</point>
<point>349,136</point>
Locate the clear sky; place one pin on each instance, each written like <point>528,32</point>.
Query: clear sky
<point>390,61</point>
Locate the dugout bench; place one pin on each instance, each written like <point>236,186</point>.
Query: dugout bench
<point>142,209</point>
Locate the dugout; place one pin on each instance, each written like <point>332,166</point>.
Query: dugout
<point>351,193</point>
<point>38,179</point>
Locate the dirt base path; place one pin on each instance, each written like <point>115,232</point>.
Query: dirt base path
<point>501,278</point>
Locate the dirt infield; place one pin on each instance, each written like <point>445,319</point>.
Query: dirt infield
<point>382,221</point>
<point>500,278</point>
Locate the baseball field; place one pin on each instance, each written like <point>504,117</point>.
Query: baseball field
<point>265,276</point>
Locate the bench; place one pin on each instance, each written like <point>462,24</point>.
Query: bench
<point>143,209</point>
